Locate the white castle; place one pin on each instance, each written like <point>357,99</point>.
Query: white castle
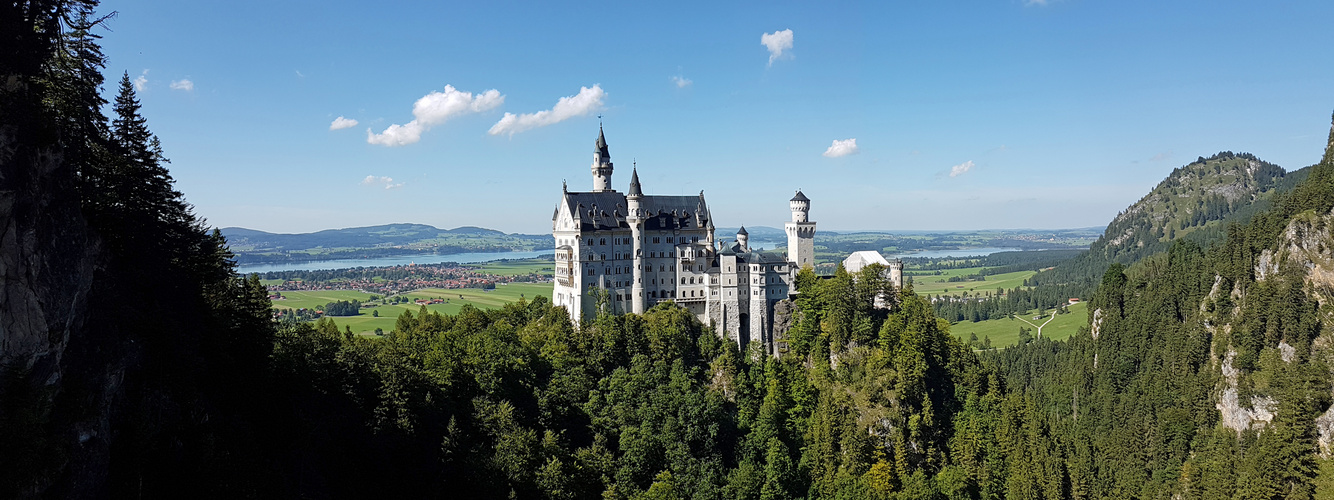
<point>640,250</point>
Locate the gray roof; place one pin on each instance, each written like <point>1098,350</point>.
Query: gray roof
<point>800,197</point>
<point>601,145</point>
<point>634,184</point>
<point>599,211</point>
<point>742,231</point>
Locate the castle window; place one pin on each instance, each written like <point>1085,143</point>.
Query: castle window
<point>602,241</point>
<point>655,239</point>
<point>694,239</point>
<point>671,267</point>
<point>662,269</point>
<point>604,256</point>
<point>671,240</point>
<point>590,242</point>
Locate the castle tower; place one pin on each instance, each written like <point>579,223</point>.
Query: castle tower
<point>800,233</point>
<point>634,198</point>
<point>601,165</point>
<point>743,238</point>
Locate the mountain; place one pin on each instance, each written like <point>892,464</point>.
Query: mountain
<point>371,236</point>
<point>1196,201</point>
<point>252,247</point>
<point>1204,372</point>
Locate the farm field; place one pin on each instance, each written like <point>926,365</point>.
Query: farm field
<point>939,284</point>
<point>366,322</point>
<point>544,267</point>
<point>1004,332</point>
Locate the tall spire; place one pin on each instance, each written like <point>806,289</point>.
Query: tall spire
<point>602,167</point>
<point>635,190</point>
<point>601,145</point>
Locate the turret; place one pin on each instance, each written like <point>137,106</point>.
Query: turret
<point>602,167</point>
<point>801,207</point>
<point>634,198</point>
<point>743,238</point>
<point>800,233</point>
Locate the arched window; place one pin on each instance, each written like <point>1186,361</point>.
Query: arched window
<point>683,281</point>
<point>590,242</point>
<point>602,241</point>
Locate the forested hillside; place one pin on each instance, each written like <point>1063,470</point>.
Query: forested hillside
<point>1195,202</point>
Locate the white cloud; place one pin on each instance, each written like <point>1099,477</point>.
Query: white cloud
<point>387,182</point>
<point>586,101</point>
<point>183,84</point>
<point>776,42</point>
<point>681,82</point>
<point>141,81</point>
<point>341,123</point>
<point>433,109</point>
<point>841,148</point>
<point>961,168</point>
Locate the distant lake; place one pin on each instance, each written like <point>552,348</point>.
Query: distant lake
<point>958,252</point>
<point>475,257</point>
<point>397,260</point>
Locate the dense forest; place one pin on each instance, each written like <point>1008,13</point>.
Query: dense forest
<point>138,364</point>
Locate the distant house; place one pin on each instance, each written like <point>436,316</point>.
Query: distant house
<point>1073,301</point>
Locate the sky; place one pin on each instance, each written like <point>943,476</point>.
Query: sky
<point>303,116</point>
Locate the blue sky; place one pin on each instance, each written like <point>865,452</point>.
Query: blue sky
<point>965,115</point>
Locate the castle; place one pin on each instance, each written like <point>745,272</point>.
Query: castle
<point>633,250</point>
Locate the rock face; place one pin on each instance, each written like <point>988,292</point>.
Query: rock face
<point>48,258</point>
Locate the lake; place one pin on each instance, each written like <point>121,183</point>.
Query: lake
<point>474,257</point>
<point>958,252</point>
<point>400,260</point>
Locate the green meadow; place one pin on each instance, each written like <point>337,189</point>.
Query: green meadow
<point>1004,332</point>
<point>940,284</point>
<point>454,300</point>
<point>544,267</point>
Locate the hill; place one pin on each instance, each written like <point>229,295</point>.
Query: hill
<point>1196,201</point>
<point>385,240</point>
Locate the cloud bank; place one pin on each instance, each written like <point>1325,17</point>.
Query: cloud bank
<point>961,168</point>
<point>387,182</point>
<point>586,101</point>
<point>182,84</point>
<point>433,109</point>
<point>841,148</point>
<point>341,123</point>
<point>776,42</point>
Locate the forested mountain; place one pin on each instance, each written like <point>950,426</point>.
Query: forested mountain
<point>1195,201</point>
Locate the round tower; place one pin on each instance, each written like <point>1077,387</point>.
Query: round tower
<point>743,238</point>
<point>602,167</point>
<point>800,233</point>
<point>801,207</point>
<point>634,198</point>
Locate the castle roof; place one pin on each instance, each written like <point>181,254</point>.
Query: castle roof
<point>860,259</point>
<point>601,145</point>
<point>634,184</point>
<point>742,231</point>
<point>662,212</point>
<point>800,197</point>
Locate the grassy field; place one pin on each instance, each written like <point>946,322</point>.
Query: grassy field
<point>1004,332</point>
<point>515,267</point>
<point>367,322</point>
<point>935,285</point>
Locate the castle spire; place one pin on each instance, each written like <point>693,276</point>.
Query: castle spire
<point>635,189</point>
<point>602,167</point>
